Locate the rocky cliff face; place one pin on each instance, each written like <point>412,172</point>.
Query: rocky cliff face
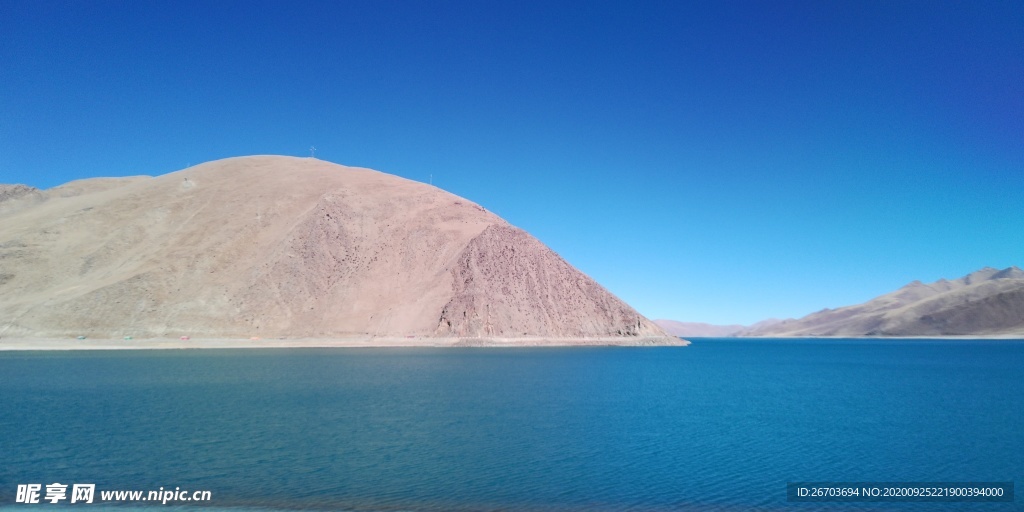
<point>507,284</point>
<point>281,246</point>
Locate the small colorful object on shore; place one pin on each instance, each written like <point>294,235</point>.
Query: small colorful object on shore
<point>184,338</point>
<point>81,337</point>
<point>127,338</point>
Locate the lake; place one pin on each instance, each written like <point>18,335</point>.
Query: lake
<point>719,425</point>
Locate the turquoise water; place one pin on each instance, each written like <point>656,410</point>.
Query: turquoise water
<point>720,425</point>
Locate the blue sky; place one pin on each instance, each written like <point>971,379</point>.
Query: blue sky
<point>706,161</point>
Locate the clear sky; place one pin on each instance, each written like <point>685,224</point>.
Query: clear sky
<point>720,161</point>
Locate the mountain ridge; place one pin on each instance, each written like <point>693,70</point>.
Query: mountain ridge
<point>988,301</point>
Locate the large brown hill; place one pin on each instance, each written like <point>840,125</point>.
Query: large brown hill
<point>282,246</point>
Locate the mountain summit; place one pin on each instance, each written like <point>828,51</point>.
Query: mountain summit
<point>283,246</point>
<point>985,302</point>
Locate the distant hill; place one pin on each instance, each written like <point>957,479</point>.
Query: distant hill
<point>986,302</point>
<point>282,246</point>
<point>702,330</point>
<point>698,330</point>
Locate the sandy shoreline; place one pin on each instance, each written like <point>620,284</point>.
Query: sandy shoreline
<point>355,342</point>
<point>10,344</point>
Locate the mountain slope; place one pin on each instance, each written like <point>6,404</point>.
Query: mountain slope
<point>986,302</point>
<point>281,246</point>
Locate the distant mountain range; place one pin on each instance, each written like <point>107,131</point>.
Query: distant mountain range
<point>702,330</point>
<point>989,302</point>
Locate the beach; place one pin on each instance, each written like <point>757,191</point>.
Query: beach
<point>346,342</point>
